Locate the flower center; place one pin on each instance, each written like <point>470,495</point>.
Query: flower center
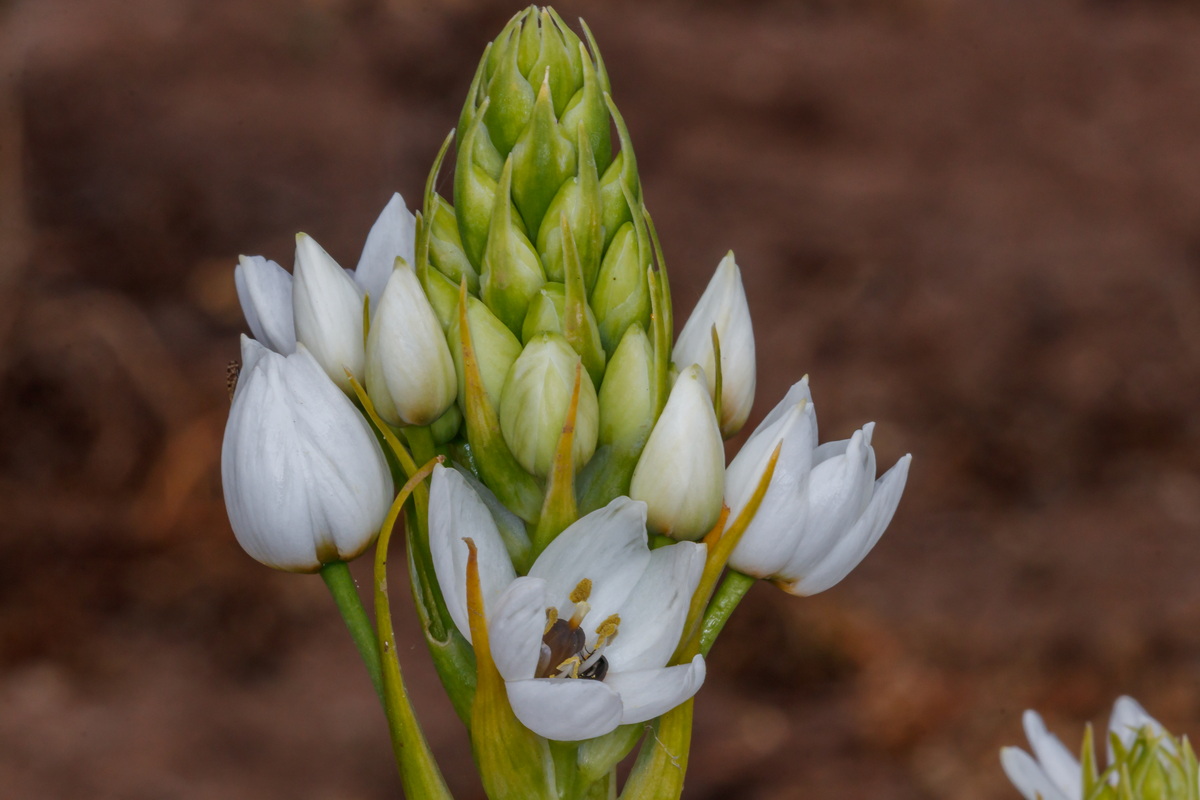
<point>565,651</point>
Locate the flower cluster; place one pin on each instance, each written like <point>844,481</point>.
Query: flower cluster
<point>1145,762</point>
<point>566,551</point>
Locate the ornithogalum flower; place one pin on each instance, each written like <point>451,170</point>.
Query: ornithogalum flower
<point>1155,769</point>
<point>723,306</point>
<point>305,480</point>
<point>583,640</point>
<point>823,510</point>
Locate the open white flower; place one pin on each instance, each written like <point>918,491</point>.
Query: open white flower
<point>1052,772</point>
<point>305,480</point>
<point>265,289</point>
<point>581,641</point>
<point>823,511</point>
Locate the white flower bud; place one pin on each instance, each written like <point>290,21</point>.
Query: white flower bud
<point>409,372</point>
<point>393,235</point>
<point>328,309</point>
<point>724,306</point>
<point>681,473</point>
<point>533,406</point>
<point>305,481</point>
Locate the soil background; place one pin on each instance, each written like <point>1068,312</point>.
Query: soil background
<point>976,222</point>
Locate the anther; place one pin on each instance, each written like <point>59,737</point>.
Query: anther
<point>582,591</point>
<point>551,618</point>
<point>608,628</point>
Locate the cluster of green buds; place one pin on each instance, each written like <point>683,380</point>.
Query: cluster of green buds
<point>546,276</point>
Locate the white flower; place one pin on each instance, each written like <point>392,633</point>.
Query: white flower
<point>1053,773</point>
<point>823,510</point>
<point>305,481</point>
<point>582,641</point>
<point>681,471</point>
<point>723,305</point>
<point>265,289</point>
<point>409,372</point>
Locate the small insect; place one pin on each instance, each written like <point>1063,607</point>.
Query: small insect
<point>232,370</point>
<point>596,671</point>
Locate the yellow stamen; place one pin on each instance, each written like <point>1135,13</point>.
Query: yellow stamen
<point>551,618</point>
<point>570,667</point>
<point>581,611</point>
<point>608,628</point>
<point>582,592</point>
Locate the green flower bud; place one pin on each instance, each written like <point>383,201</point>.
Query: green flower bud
<point>545,311</point>
<point>578,201</point>
<point>626,397</point>
<point>512,272</point>
<point>475,186</point>
<point>445,428</point>
<point>621,297</point>
<point>533,406</point>
<point>495,350</point>
<point>446,252</point>
<point>543,159</point>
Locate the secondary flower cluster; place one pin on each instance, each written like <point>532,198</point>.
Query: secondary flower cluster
<point>1145,762</point>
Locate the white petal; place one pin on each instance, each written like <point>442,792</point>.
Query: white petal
<point>328,311</point>
<point>652,616</point>
<point>854,546</point>
<point>648,693</point>
<point>835,496</point>
<point>772,536</point>
<point>252,351</point>
<point>515,628</point>
<point>798,392</point>
<point>456,513</point>
<point>409,371</point>
<point>351,488</point>
<point>1056,761</point>
<point>511,527</point>
<point>608,547</point>
<point>264,290</point>
<point>565,709</point>
<point>1127,720</point>
<point>1028,777</point>
<point>392,235</point>
<point>723,305</point>
<point>681,472</point>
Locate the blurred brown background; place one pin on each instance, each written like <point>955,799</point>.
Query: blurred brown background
<point>974,221</point>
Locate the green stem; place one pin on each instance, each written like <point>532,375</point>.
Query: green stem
<point>345,594</point>
<point>731,591</point>
<point>420,439</point>
<point>419,773</point>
